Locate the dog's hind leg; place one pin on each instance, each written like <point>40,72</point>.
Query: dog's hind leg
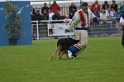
<point>60,55</point>
<point>66,52</point>
<point>54,53</point>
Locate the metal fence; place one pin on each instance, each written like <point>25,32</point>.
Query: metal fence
<point>105,29</point>
<point>40,29</point>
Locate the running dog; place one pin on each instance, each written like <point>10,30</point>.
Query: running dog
<point>63,45</point>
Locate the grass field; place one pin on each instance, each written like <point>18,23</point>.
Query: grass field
<point>102,61</point>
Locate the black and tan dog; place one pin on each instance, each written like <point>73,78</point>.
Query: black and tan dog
<point>63,45</point>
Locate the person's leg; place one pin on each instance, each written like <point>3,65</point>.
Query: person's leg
<point>81,35</point>
<point>84,42</point>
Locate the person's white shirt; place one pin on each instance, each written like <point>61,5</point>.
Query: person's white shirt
<point>103,16</point>
<point>50,15</point>
<point>109,14</point>
<point>121,20</point>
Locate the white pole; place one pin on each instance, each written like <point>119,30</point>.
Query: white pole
<point>37,31</point>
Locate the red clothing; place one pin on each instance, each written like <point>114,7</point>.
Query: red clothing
<point>93,6</point>
<point>55,8</point>
<point>82,18</point>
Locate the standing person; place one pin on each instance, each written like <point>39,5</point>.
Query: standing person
<point>80,6</point>
<point>95,5</point>
<point>103,16</point>
<point>55,7</point>
<point>122,7</point>
<point>50,15</point>
<point>56,16</point>
<point>122,24</point>
<point>38,16</point>
<point>32,12</point>
<point>81,22</point>
<point>44,8</point>
<point>105,6</point>
<point>45,15</point>
<point>109,15</point>
<point>114,6</point>
<point>72,10</point>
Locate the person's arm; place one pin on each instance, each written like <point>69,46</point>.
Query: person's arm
<point>122,22</point>
<point>93,17</point>
<point>91,8</point>
<point>75,20</point>
<point>99,7</point>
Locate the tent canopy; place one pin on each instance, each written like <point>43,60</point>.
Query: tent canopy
<point>62,2</point>
<point>56,0</point>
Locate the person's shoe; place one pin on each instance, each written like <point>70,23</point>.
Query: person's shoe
<point>72,57</point>
<point>69,54</point>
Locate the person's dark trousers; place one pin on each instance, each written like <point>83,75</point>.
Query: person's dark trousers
<point>74,50</point>
<point>123,12</point>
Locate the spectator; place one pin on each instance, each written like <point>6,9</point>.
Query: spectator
<point>113,11</point>
<point>103,15</point>
<point>45,15</point>
<point>122,7</point>
<point>38,16</point>
<point>55,7</point>
<point>80,6</point>
<point>96,13</point>
<point>56,16</point>
<point>32,12</point>
<point>118,14</point>
<point>67,19</point>
<point>114,6</point>
<point>109,15</point>
<point>50,14</point>
<point>105,6</point>
<point>72,10</point>
<point>44,8</point>
<point>95,5</point>
<point>32,17</point>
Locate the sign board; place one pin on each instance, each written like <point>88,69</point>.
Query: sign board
<point>58,29</point>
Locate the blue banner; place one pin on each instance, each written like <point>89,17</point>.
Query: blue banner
<point>24,12</point>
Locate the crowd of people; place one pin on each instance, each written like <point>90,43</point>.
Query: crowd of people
<point>105,11</point>
<point>47,13</point>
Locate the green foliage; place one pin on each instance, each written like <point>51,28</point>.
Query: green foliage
<point>14,21</point>
<point>102,61</point>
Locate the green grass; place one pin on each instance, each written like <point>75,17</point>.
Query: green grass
<point>102,61</point>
